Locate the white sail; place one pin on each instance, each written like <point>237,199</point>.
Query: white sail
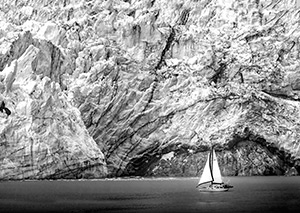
<point>216,169</point>
<point>211,171</point>
<point>206,174</point>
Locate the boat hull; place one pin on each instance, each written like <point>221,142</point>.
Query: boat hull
<point>208,189</point>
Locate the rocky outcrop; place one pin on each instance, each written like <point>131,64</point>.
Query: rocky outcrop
<point>44,137</point>
<point>156,87</point>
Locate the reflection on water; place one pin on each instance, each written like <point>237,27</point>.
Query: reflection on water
<point>250,194</point>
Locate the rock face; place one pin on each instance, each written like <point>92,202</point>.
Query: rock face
<point>121,88</point>
<point>44,136</point>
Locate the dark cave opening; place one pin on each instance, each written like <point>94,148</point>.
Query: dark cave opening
<point>286,162</point>
<point>145,160</point>
<point>247,154</point>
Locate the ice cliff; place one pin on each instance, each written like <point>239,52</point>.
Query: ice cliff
<point>145,87</point>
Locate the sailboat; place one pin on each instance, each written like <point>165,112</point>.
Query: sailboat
<point>211,179</point>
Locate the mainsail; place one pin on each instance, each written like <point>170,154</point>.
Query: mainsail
<point>211,172</point>
<point>216,173</point>
<point>206,174</point>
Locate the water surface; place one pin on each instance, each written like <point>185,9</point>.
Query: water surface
<point>250,194</point>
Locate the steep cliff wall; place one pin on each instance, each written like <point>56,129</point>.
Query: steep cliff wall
<point>43,136</point>
<point>157,82</point>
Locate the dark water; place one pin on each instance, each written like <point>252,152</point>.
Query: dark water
<point>250,194</point>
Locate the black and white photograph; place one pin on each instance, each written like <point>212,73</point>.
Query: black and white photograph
<point>149,106</point>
